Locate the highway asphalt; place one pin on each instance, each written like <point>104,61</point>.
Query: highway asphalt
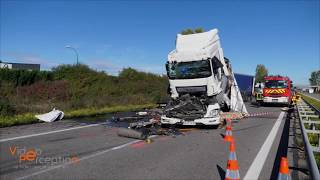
<point>98,153</point>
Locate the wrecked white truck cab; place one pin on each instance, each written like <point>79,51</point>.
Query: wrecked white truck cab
<point>202,84</point>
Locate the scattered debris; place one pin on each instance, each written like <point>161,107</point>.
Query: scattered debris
<point>142,126</point>
<point>149,141</point>
<point>143,129</point>
<point>142,113</point>
<point>51,116</point>
<point>132,133</point>
<point>129,118</point>
<point>162,105</point>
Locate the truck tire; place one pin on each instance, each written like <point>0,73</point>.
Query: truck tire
<point>165,125</point>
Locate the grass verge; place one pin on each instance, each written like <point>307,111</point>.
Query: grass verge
<point>313,138</point>
<point>29,118</point>
<point>312,101</point>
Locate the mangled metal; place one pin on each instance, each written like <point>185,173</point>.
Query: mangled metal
<point>186,107</point>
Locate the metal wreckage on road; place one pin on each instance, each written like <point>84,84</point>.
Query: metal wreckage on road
<point>202,83</point>
<point>146,127</point>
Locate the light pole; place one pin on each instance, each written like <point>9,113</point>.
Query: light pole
<point>74,49</point>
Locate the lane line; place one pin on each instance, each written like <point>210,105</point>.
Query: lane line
<point>81,159</point>
<point>257,164</point>
<point>49,132</point>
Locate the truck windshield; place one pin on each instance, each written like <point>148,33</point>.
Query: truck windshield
<point>276,84</point>
<point>189,70</point>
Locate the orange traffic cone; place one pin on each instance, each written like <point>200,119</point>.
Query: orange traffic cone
<point>232,172</point>
<point>284,169</point>
<point>228,122</point>
<point>228,137</point>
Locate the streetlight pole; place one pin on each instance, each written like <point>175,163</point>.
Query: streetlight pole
<point>74,49</point>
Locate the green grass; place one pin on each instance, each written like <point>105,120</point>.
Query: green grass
<point>29,118</point>
<point>317,126</point>
<point>317,157</point>
<point>312,101</point>
<point>313,138</point>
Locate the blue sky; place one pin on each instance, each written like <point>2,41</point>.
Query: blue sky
<point>110,35</point>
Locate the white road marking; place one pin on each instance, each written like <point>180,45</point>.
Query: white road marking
<point>49,132</point>
<point>81,159</point>
<point>257,164</point>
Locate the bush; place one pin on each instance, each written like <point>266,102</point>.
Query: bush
<point>6,109</point>
<point>24,77</point>
<point>70,87</point>
<point>44,91</point>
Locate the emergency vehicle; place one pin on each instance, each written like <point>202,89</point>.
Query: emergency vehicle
<point>277,89</point>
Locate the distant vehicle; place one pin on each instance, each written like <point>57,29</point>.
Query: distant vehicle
<point>277,90</point>
<point>246,85</point>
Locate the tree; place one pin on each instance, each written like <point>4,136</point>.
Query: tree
<point>198,30</point>
<point>315,78</point>
<point>261,72</point>
<point>187,31</point>
<point>190,31</point>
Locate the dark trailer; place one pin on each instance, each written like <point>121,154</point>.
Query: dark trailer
<point>246,85</point>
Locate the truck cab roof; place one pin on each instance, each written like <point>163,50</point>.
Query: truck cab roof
<point>192,47</point>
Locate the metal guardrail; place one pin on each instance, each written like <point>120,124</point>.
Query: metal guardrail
<point>306,113</point>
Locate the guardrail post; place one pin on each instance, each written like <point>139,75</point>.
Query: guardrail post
<point>313,168</point>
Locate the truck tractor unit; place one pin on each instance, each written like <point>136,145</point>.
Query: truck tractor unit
<point>277,89</point>
<point>201,82</point>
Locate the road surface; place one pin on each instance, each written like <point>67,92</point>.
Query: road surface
<point>98,153</point>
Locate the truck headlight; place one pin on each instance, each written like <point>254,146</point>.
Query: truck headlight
<point>213,113</point>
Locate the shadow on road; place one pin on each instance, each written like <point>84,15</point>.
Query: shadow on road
<point>255,104</point>
<point>222,172</point>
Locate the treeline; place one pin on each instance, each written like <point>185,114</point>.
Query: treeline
<point>70,87</point>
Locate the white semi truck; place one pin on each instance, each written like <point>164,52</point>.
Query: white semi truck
<point>201,82</point>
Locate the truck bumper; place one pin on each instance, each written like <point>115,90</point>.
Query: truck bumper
<point>280,100</point>
<point>202,121</point>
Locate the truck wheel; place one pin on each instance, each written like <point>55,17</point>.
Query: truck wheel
<point>165,125</point>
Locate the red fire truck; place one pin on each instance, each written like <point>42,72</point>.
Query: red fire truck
<point>277,89</point>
